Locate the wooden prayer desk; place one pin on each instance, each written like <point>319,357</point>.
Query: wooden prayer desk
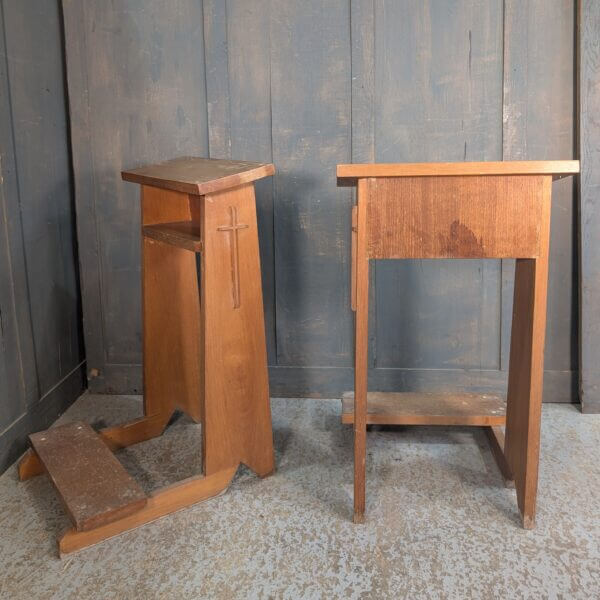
<point>204,353</point>
<point>458,210</point>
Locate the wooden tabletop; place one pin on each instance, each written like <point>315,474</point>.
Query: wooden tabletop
<point>556,168</point>
<point>198,176</point>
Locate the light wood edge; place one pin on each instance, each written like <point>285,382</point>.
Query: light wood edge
<point>29,466</point>
<point>495,436</point>
<point>202,188</point>
<point>134,432</point>
<point>162,503</point>
<point>557,168</point>
<point>353,258</point>
<point>115,438</point>
<point>361,319</point>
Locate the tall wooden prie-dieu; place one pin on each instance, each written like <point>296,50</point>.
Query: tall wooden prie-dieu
<point>458,210</point>
<point>204,353</point>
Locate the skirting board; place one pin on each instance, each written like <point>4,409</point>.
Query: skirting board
<point>331,382</point>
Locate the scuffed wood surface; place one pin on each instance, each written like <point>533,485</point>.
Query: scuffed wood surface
<point>198,176</point>
<point>428,409</point>
<point>92,484</point>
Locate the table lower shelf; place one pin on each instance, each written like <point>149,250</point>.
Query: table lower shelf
<point>408,408</point>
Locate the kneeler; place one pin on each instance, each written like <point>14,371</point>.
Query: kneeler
<point>458,210</point>
<point>204,353</point>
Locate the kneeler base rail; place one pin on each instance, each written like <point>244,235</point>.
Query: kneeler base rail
<point>204,354</point>
<point>458,210</point>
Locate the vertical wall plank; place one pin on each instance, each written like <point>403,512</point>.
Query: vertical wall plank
<point>137,92</point>
<point>589,144</point>
<point>16,337</point>
<point>40,347</point>
<point>538,125</point>
<point>362,18</point>
<point>216,59</point>
<point>248,71</point>
<point>44,180</point>
<point>438,81</point>
<point>310,82</point>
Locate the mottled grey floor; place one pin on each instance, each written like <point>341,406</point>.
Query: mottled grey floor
<point>440,522</point>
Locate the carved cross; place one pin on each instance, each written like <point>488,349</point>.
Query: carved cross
<point>233,229</point>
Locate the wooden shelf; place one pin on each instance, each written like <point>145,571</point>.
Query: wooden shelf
<point>183,234</point>
<point>428,409</point>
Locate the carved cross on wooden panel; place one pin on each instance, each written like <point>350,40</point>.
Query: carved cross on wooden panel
<point>233,229</point>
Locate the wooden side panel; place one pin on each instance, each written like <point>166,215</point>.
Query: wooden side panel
<point>237,420</point>
<point>589,133</point>
<point>454,217</point>
<point>173,362</point>
<point>438,84</point>
<point>310,86</point>
<point>137,96</point>
<point>538,124</point>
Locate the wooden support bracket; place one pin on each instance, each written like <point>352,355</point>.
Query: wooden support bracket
<point>163,502</point>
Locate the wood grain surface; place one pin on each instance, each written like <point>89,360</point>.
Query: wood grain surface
<point>454,217</point>
<point>171,310</point>
<point>92,484</point>
<point>410,408</point>
<point>198,176</point>
<point>557,168</point>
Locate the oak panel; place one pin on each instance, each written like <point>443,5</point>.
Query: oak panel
<point>447,217</point>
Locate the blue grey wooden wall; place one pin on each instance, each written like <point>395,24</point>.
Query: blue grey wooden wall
<point>308,85</point>
<point>41,351</point>
<point>589,144</point>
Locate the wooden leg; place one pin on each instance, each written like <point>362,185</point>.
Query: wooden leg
<point>165,501</point>
<point>361,356</point>
<point>495,435</point>
<point>30,466</point>
<point>135,432</point>
<point>526,370</point>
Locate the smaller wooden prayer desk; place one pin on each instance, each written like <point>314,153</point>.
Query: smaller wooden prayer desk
<point>458,210</point>
<point>204,353</point>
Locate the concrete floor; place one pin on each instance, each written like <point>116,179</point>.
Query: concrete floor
<point>440,522</point>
